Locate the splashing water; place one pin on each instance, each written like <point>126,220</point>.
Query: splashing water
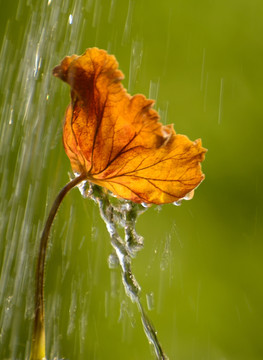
<point>124,213</point>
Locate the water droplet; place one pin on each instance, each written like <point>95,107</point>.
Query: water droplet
<point>11,117</point>
<point>135,63</point>
<point>113,261</point>
<point>154,89</point>
<point>145,205</point>
<point>177,203</point>
<point>189,196</point>
<point>84,186</point>
<point>150,301</point>
<point>127,29</point>
<point>38,62</point>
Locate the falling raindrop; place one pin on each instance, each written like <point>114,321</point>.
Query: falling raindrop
<point>150,301</point>
<point>135,64</point>
<point>113,261</point>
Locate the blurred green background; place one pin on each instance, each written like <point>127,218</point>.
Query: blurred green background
<point>202,264</point>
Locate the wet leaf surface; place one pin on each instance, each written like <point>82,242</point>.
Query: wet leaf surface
<point>117,139</point>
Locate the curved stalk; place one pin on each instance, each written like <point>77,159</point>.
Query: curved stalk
<point>38,338</point>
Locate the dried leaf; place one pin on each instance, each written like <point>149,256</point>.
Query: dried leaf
<point>117,139</point>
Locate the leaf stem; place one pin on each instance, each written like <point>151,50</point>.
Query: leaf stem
<point>38,338</point>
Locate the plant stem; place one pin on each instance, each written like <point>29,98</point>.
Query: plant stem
<point>38,338</point>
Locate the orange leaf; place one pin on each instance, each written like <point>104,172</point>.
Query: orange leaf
<point>117,139</point>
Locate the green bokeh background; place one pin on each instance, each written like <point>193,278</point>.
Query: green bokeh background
<point>202,263</point>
